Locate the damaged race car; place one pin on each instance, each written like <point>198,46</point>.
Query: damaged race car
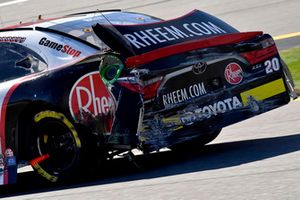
<point>92,85</point>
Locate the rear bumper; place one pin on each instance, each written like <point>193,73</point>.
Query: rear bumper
<point>216,110</point>
<point>236,105</point>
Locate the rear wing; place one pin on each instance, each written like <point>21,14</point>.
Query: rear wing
<point>132,40</point>
<point>135,61</point>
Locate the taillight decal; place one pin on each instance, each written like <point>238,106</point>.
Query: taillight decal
<point>257,56</point>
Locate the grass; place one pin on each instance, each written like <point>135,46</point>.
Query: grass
<point>292,59</point>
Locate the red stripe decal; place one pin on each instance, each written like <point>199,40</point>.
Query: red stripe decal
<point>2,123</point>
<point>257,56</point>
<point>3,115</point>
<point>137,60</point>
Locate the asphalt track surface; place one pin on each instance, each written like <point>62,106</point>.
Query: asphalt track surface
<point>255,159</point>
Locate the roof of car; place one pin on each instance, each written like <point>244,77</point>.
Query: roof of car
<point>115,16</point>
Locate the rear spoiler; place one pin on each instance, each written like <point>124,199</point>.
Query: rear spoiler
<point>135,61</point>
<point>137,39</point>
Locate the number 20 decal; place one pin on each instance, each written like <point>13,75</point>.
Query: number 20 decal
<point>272,65</point>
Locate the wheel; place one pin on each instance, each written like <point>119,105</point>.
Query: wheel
<point>55,146</point>
<point>288,74</point>
<point>196,142</point>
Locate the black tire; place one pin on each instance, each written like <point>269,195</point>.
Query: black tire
<point>55,146</point>
<point>197,142</point>
<point>288,75</point>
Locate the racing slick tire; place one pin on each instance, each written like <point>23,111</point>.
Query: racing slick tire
<point>195,143</point>
<point>55,146</point>
<point>289,80</point>
<point>288,74</point>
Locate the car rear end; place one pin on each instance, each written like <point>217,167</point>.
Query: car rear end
<point>210,84</point>
<point>197,75</point>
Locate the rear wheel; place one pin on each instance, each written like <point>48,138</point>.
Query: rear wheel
<point>196,143</point>
<point>55,146</point>
<point>288,74</point>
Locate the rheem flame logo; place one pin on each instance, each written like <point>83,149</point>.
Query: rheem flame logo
<point>90,97</point>
<point>233,73</point>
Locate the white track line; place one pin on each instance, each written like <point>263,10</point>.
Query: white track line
<point>11,2</point>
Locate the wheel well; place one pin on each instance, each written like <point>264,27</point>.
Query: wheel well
<point>23,129</point>
<point>24,120</point>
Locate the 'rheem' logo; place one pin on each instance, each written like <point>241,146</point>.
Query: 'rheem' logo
<point>233,73</point>
<point>89,96</point>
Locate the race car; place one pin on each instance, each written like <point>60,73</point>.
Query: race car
<point>89,86</point>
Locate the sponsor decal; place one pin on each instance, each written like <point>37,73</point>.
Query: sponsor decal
<point>220,107</point>
<point>90,96</point>
<point>14,39</point>
<point>263,92</point>
<point>64,48</point>
<point>233,73</point>
<point>199,68</point>
<point>272,65</point>
<point>214,109</point>
<point>257,66</point>
<point>196,25</point>
<point>167,33</point>
<point>184,94</point>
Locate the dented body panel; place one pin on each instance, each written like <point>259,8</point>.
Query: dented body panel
<point>207,93</point>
